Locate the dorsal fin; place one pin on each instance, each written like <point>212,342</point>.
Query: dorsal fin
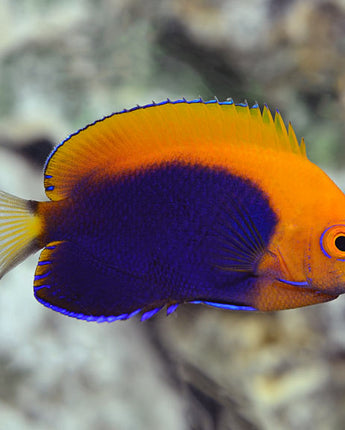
<point>144,130</point>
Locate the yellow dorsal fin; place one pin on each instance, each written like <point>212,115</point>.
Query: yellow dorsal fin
<point>180,125</point>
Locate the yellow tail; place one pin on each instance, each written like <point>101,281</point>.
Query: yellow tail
<point>19,230</point>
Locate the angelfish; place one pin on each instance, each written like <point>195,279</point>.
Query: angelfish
<point>180,202</point>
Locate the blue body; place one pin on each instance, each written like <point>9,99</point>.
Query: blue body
<point>167,234</point>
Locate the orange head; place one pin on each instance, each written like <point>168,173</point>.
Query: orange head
<point>305,260</point>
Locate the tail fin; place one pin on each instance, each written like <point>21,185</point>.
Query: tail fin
<point>19,230</point>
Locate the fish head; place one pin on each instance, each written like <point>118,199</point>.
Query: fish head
<point>304,261</point>
<point>303,265</point>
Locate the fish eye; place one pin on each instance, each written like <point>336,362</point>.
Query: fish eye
<point>332,242</point>
<point>340,242</point>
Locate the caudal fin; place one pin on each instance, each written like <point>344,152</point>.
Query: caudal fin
<point>19,230</point>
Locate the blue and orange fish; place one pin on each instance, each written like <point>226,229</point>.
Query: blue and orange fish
<point>180,202</point>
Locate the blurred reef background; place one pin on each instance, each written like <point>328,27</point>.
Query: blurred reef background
<point>66,63</point>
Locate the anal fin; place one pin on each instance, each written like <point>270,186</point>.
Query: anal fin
<point>72,282</point>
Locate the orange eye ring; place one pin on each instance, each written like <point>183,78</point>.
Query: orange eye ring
<point>332,242</point>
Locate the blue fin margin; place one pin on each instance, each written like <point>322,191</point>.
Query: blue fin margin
<point>100,319</point>
<point>223,306</point>
<point>84,317</point>
<point>145,316</point>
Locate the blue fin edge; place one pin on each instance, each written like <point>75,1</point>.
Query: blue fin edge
<point>164,102</point>
<point>149,314</point>
<point>100,319</point>
<point>81,316</point>
<point>144,317</point>
<point>172,308</point>
<point>223,305</point>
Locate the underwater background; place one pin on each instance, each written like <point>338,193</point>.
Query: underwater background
<point>64,64</point>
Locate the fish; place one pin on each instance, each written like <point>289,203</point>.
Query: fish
<point>180,202</point>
